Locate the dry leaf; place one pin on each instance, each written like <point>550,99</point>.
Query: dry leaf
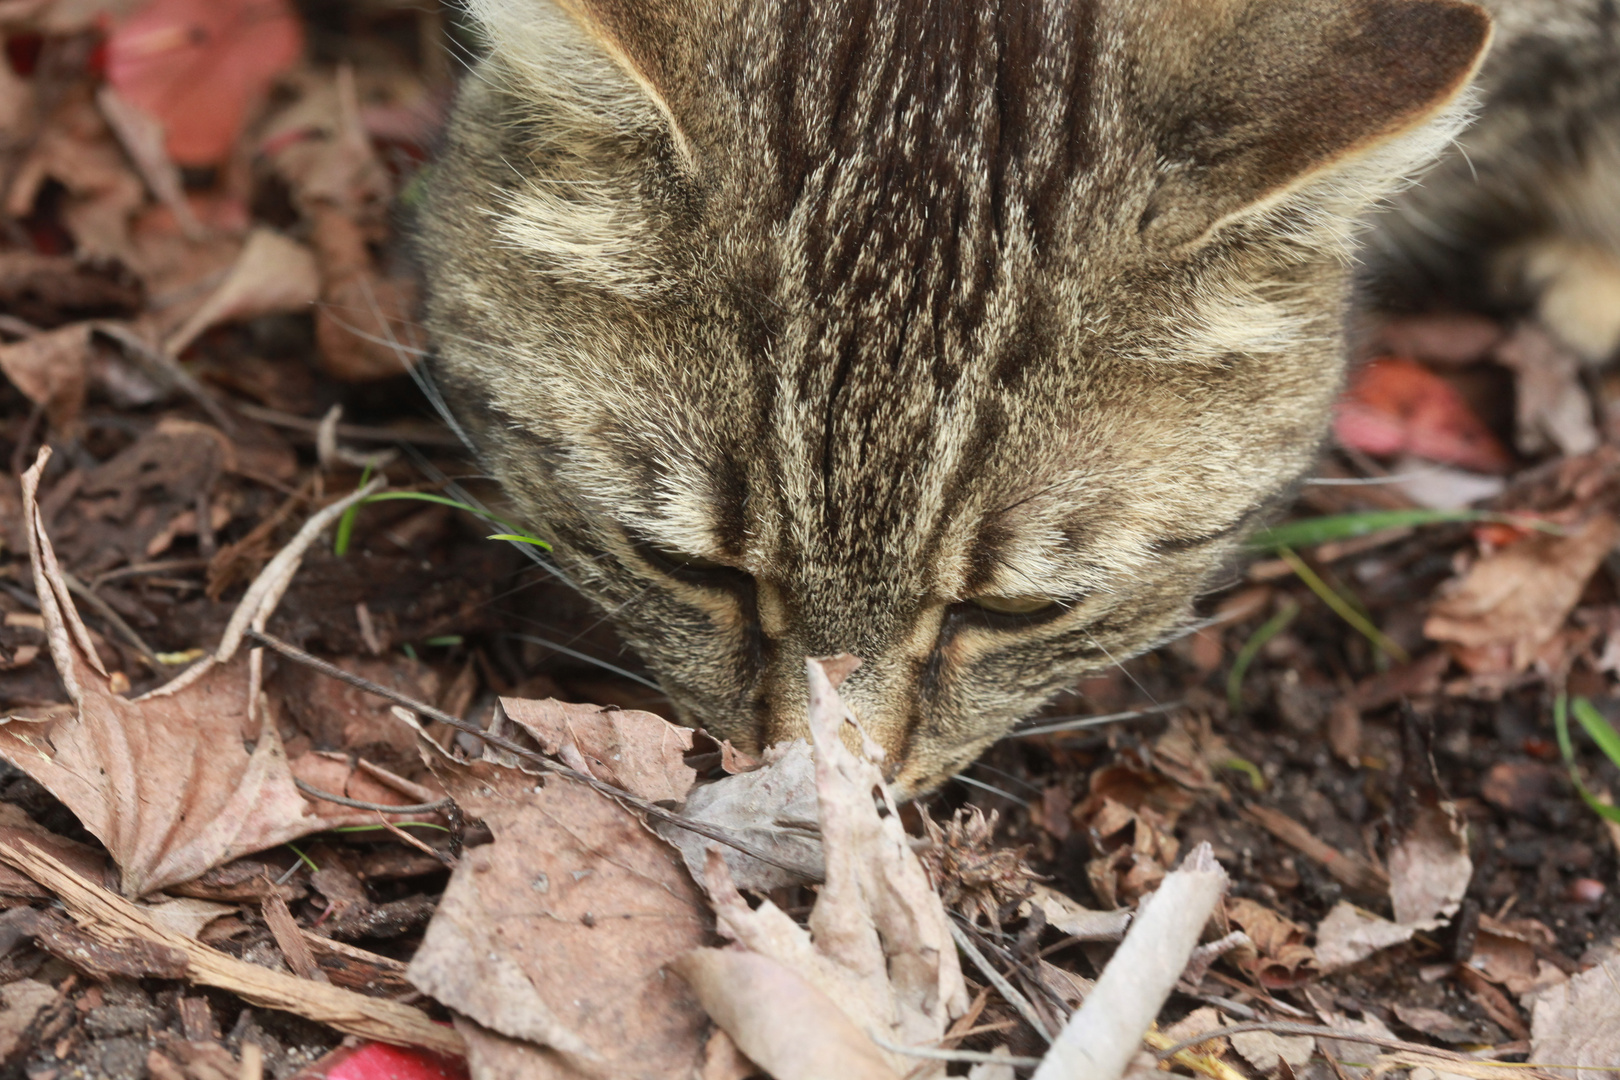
<point>1070,918</point>
<point>1281,958</point>
<point>199,65</point>
<point>638,751</point>
<point>77,151</point>
<point>773,808</point>
<point>750,994</point>
<point>1516,599</point>
<point>364,326</point>
<point>49,369</point>
<point>1394,406</point>
<point>1578,1023</point>
<point>1553,411</point>
<point>20,1003</point>
<point>1429,867</point>
<point>1264,1049</point>
<point>553,938</point>
<point>1349,935</point>
<point>166,782</point>
<point>878,944</point>
<point>142,137</point>
<point>272,274</point>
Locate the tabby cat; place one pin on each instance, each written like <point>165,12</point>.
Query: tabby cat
<point>966,336</point>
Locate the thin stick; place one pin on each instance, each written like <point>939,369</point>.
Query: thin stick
<point>711,832</point>
<point>1003,987</point>
<point>974,1056</point>
<point>116,621</point>
<point>327,796</point>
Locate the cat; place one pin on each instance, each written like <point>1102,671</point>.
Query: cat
<point>1522,216</point>
<point>970,337</point>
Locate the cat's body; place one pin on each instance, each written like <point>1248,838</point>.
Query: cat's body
<point>1522,217</point>
<point>968,338</point>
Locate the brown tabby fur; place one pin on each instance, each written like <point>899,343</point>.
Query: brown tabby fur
<point>1523,215</point>
<point>798,324</point>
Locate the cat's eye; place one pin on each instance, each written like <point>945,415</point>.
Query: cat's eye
<point>687,561</point>
<point>687,566</point>
<point>1014,605</point>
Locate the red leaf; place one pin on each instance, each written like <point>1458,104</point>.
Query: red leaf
<point>199,65</point>
<point>378,1061</point>
<point>1395,406</point>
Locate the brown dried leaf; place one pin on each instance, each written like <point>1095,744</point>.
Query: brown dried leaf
<point>1283,958</point>
<point>1578,1023</point>
<point>21,1003</point>
<point>167,782</point>
<point>749,994</point>
<point>1349,935</point>
<point>1517,598</point>
<point>553,938</point>
<point>638,751</point>
<point>881,944</point>
<point>1072,919</point>
<point>50,370</point>
<point>773,808</point>
<point>272,274</point>
<point>1552,407</point>
<point>1429,867</point>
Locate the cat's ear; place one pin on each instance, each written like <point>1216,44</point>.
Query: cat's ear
<point>610,56</point>
<point>1279,95</point>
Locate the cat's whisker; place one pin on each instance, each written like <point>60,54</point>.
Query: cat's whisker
<point>1019,780</point>
<point>1054,725</point>
<point>981,785</point>
<point>586,658</point>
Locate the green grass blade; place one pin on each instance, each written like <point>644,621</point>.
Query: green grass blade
<point>520,538</point>
<point>345,525</point>
<point>1599,728</point>
<point>1321,530</point>
<point>1343,608</point>
<point>1251,648</point>
<point>1584,712</point>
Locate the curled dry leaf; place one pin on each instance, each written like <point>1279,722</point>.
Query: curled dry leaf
<point>1280,957</point>
<point>1429,867</point>
<point>638,751</point>
<point>772,807</point>
<point>550,942</point>
<point>50,369</point>
<point>878,945</point>
<point>822,1041</point>
<point>175,782</point>
<point>1070,918</point>
<point>272,274</point>
<point>1515,600</point>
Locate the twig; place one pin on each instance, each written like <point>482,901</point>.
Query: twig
<point>327,796</point>
<point>1003,987</point>
<point>711,832</point>
<point>976,1057</point>
<point>116,621</point>
<point>110,918</point>
<point>1106,1031</point>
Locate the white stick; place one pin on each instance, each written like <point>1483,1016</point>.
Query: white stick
<point>1100,1038</point>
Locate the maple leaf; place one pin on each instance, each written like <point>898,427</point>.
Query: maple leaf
<point>181,779</point>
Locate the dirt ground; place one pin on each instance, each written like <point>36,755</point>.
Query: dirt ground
<point>211,335</point>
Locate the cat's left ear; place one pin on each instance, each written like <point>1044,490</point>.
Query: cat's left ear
<point>594,51</point>
<point>1335,100</point>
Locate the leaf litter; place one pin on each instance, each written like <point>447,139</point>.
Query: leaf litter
<point>176,334</point>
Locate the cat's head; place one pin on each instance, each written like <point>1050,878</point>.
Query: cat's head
<point>966,336</point>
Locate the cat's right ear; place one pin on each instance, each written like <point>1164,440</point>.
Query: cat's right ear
<point>1253,101</point>
<point>610,58</point>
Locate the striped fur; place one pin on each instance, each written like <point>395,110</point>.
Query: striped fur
<point>878,306</point>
